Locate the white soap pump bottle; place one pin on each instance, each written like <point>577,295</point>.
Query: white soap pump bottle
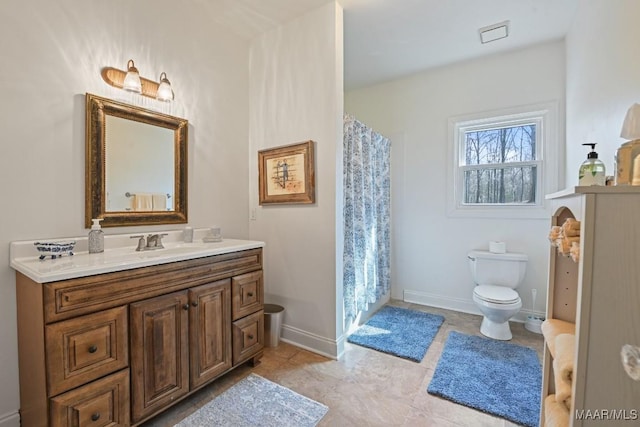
<point>96,237</point>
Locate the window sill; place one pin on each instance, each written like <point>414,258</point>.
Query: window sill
<point>502,212</point>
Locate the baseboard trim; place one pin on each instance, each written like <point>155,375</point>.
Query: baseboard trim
<point>12,419</point>
<point>312,342</point>
<point>334,349</point>
<point>459,304</point>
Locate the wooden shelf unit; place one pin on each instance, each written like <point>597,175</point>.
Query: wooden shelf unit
<point>601,295</point>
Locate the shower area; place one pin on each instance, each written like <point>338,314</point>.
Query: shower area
<point>367,217</point>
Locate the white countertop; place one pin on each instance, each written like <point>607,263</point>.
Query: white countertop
<point>119,254</point>
<point>594,189</point>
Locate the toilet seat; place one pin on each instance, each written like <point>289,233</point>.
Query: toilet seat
<point>496,294</point>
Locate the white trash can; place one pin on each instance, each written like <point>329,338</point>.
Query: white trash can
<point>272,323</point>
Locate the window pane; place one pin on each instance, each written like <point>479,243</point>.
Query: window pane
<point>501,145</point>
<point>500,185</point>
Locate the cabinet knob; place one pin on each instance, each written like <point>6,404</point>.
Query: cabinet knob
<point>185,307</point>
<point>195,303</point>
<point>93,349</point>
<point>95,417</point>
<point>250,336</point>
<point>249,294</point>
<point>631,361</point>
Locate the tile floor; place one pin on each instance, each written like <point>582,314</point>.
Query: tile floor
<point>364,387</point>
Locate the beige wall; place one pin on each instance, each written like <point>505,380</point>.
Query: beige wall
<point>603,78</point>
<point>429,261</point>
<point>51,54</point>
<point>296,95</point>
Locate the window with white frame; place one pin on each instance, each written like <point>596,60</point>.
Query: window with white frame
<point>500,167</point>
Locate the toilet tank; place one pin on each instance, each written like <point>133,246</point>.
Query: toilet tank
<point>506,269</point>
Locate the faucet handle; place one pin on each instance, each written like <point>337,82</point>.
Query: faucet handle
<point>141,241</point>
<point>160,236</point>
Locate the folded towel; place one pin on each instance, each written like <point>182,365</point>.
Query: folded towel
<point>564,244</point>
<point>159,202</point>
<point>575,251</point>
<point>571,228</point>
<point>142,202</point>
<point>565,354</point>
<point>555,233</point>
<point>555,414</point>
<point>562,386</point>
<point>551,328</point>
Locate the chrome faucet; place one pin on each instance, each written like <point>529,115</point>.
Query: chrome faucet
<point>153,241</point>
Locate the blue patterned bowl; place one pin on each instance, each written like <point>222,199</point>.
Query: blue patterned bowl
<point>55,249</point>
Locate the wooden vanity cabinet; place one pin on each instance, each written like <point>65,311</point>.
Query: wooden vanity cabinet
<point>117,348</point>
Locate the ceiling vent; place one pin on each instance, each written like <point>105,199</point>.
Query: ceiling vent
<point>494,32</point>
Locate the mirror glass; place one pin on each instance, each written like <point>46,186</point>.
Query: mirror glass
<point>134,181</point>
<point>136,165</point>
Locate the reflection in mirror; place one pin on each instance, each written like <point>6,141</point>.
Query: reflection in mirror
<point>136,165</point>
<point>135,180</point>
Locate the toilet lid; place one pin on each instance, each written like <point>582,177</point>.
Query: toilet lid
<point>496,294</point>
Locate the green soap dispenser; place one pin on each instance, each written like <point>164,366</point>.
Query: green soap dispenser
<point>592,170</point>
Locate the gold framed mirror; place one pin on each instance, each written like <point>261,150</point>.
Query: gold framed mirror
<point>136,165</point>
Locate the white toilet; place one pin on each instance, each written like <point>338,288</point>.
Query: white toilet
<point>496,276</point>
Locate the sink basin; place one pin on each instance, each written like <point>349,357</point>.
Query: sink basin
<point>172,249</point>
<point>178,250</point>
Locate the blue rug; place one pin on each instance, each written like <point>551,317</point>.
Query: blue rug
<point>256,401</point>
<point>399,331</point>
<point>493,376</point>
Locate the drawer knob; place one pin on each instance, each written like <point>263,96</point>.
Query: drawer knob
<point>185,307</point>
<point>93,349</point>
<point>195,303</point>
<point>249,294</point>
<point>95,417</point>
<point>250,336</point>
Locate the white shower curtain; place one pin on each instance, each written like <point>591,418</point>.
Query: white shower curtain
<point>367,209</point>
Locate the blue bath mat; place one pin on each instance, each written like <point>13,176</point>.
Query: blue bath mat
<point>399,331</point>
<point>493,376</point>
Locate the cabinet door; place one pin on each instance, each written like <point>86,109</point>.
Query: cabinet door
<point>159,352</point>
<point>248,293</point>
<point>209,331</point>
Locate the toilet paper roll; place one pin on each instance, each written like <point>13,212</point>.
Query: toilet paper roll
<point>497,247</point>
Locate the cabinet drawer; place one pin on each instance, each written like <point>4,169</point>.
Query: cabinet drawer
<point>247,292</point>
<point>85,348</point>
<point>248,337</point>
<point>69,298</point>
<point>102,403</point>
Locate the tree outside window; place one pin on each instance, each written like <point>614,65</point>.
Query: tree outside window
<point>500,165</point>
<point>498,169</point>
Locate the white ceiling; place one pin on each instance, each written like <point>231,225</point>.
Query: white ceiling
<point>387,39</point>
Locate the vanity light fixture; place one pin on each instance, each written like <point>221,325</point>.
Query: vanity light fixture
<point>165,93</point>
<point>131,81</point>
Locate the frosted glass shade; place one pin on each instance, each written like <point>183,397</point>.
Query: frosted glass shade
<point>631,124</point>
<point>165,93</point>
<point>132,81</point>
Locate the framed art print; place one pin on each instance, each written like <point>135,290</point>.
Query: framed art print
<point>286,174</point>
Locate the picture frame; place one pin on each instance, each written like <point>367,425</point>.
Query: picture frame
<point>286,174</point>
